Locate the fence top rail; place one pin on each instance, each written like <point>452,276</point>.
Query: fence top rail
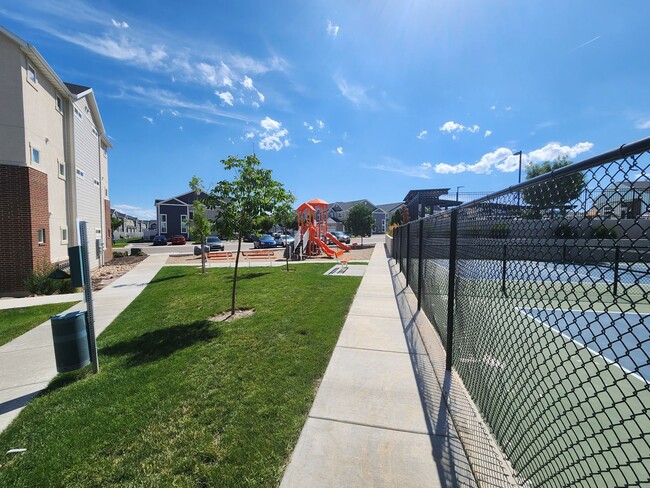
<point>621,152</point>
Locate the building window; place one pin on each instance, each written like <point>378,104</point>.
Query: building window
<point>191,215</point>
<point>95,132</point>
<point>80,173</point>
<point>36,156</point>
<point>96,182</point>
<point>31,74</point>
<point>59,104</point>
<point>77,112</point>
<point>183,224</point>
<point>64,235</point>
<point>41,236</point>
<point>163,223</point>
<point>61,170</point>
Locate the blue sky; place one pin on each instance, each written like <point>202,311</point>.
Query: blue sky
<point>347,100</point>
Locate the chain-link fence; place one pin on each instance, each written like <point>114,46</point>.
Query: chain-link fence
<point>540,294</point>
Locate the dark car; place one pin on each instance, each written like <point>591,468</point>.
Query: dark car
<point>264,241</point>
<point>160,240</point>
<point>249,238</point>
<point>341,236</point>
<point>178,240</point>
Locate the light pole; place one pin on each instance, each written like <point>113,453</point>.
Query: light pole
<point>458,188</point>
<point>519,180</point>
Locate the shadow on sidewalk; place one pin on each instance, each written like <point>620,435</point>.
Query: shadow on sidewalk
<point>162,343</point>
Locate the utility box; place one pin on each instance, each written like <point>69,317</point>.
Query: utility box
<point>70,336</point>
<point>76,267</point>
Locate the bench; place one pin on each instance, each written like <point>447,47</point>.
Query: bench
<point>259,254</point>
<point>219,256</point>
<point>344,262</point>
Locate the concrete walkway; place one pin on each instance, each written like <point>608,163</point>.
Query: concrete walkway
<point>27,363</point>
<point>7,303</point>
<point>371,424</point>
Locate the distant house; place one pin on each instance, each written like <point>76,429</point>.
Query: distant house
<point>173,214</point>
<point>131,226</point>
<point>623,200</point>
<point>338,212</point>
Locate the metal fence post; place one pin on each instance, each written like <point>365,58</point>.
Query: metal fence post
<point>420,247</point>
<point>399,258</point>
<point>503,271</point>
<point>408,251</point>
<point>617,258</point>
<point>453,237</point>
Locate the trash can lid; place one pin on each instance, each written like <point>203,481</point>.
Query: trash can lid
<point>68,315</point>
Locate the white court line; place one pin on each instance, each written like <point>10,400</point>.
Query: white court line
<point>592,351</point>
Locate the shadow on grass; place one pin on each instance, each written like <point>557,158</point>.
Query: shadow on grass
<point>166,278</point>
<point>247,276</point>
<point>162,343</point>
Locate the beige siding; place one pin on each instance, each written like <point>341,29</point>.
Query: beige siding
<point>12,123</point>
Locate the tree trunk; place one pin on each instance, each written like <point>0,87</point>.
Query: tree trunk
<point>234,279</point>
<point>202,254</point>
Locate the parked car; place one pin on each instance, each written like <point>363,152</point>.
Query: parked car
<point>212,243</point>
<point>160,240</point>
<point>178,240</point>
<point>341,236</point>
<point>283,239</point>
<point>249,238</point>
<point>264,241</point>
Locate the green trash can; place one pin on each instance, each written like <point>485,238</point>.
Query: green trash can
<point>70,341</point>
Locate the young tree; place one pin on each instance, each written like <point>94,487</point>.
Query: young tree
<point>396,218</point>
<point>360,220</point>
<point>240,202</point>
<point>556,193</point>
<point>200,225</point>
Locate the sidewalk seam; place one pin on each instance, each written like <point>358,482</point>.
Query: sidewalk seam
<point>375,426</point>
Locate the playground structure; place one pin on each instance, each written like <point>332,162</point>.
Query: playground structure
<point>312,231</point>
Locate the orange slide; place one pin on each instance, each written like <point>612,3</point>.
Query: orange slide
<point>345,247</point>
<point>325,248</point>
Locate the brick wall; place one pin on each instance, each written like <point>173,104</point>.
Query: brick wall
<point>23,211</point>
<point>108,252</point>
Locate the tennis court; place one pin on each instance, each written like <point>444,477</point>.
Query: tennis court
<point>620,338</point>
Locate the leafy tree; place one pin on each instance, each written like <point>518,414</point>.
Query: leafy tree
<point>241,202</point>
<point>553,194</point>
<point>115,223</point>
<point>360,220</point>
<point>396,218</point>
<point>200,225</point>
<point>264,223</point>
<point>284,216</point>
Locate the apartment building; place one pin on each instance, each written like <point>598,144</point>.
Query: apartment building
<point>53,166</point>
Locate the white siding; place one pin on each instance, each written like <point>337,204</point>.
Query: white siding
<point>87,160</point>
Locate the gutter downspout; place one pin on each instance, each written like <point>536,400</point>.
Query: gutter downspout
<point>71,174</point>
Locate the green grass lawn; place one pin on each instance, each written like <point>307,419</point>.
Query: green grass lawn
<point>181,400</point>
<point>123,242</point>
<point>16,321</point>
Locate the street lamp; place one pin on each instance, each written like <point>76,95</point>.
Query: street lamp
<point>519,180</point>
<point>458,188</point>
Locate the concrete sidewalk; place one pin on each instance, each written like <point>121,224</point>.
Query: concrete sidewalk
<point>8,303</point>
<point>371,423</point>
<point>27,363</point>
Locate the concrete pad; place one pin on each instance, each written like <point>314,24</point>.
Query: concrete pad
<point>7,303</point>
<point>335,454</point>
<point>375,291</point>
<point>380,333</point>
<point>376,388</point>
<point>351,270</point>
<point>375,307</point>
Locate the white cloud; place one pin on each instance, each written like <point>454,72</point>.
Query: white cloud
<point>247,83</point>
<point>261,97</point>
<point>339,150</point>
<point>255,105</point>
<point>643,124</point>
<point>504,160</point>
<point>508,109</point>
<point>488,133</point>
<point>332,29</point>
<point>493,107</point>
<point>226,97</point>
<point>180,127</point>
<point>249,135</point>
<point>148,119</point>
<point>390,165</point>
<point>315,141</point>
<point>451,127</point>
<point>274,137</point>
<point>357,94</point>
<point>309,127</point>
<point>135,211</point>
<point>121,25</point>
<point>320,124</point>
<point>422,134</point>
<point>174,113</point>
